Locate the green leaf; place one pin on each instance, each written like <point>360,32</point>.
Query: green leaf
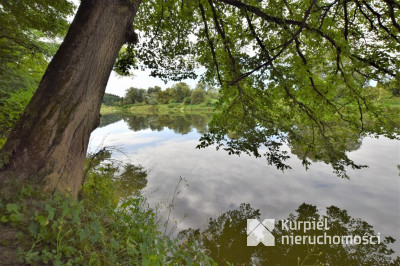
<point>16,217</point>
<point>50,211</point>
<point>4,219</point>
<point>42,220</point>
<point>12,207</point>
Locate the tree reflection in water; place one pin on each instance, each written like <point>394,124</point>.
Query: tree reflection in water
<point>225,240</point>
<point>125,178</point>
<point>179,123</point>
<point>225,237</point>
<point>301,140</point>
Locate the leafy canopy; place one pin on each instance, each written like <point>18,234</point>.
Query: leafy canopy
<point>28,32</point>
<point>28,38</point>
<point>289,71</point>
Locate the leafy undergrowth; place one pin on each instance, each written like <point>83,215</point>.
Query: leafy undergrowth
<point>101,229</point>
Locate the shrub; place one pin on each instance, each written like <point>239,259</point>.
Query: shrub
<point>212,102</point>
<point>198,96</point>
<point>172,105</point>
<point>186,100</point>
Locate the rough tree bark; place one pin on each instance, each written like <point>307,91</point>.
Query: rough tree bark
<point>47,146</point>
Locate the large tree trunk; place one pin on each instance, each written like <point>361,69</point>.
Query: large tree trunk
<point>48,145</point>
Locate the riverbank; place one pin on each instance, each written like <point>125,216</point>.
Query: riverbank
<point>158,109</point>
<point>111,223</point>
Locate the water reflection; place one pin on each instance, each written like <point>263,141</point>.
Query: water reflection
<point>345,141</point>
<point>218,182</point>
<point>224,239</point>
<point>108,119</point>
<point>128,179</point>
<point>131,181</point>
<point>179,123</point>
<point>299,144</point>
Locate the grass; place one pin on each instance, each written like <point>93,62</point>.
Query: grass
<point>105,109</point>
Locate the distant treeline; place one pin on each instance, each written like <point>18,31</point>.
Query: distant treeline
<point>112,100</point>
<point>178,93</point>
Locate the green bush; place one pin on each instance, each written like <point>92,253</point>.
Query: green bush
<point>212,102</point>
<point>186,100</point>
<point>172,105</point>
<point>11,107</point>
<point>198,96</point>
<point>127,106</point>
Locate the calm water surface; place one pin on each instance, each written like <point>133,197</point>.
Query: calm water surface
<point>166,147</point>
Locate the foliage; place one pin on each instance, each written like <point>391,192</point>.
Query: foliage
<point>112,100</point>
<point>187,100</point>
<point>212,102</point>
<point>134,95</point>
<point>125,61</point>
<point>393,86</point>
<point>198,96</point>
<point>280,65</point>
<point>149,96</point>
<point>155,89</point>
<point>179,91</point>
<point>164,97</point>
<point>29,31</point>
<point>11,108</point>
<point>212,92</point>
<point>225,240</point>
<point>164,47</point>
<point>153,99</point>
<point>25,26</point>
<point>105,228</point>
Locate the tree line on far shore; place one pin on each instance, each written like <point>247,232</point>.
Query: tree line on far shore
<point>178,93</point>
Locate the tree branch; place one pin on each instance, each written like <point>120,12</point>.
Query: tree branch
<point>228,50</point>
<point>210,42</point>
<point>284,46</point>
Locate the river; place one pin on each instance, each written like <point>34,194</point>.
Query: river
<point>214,182</point>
